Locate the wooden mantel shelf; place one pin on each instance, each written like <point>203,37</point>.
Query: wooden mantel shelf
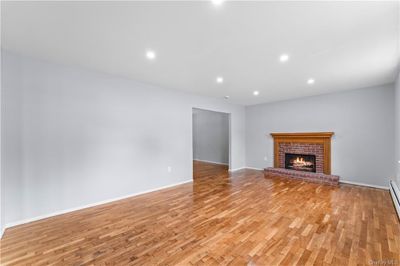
<point>303,135</point>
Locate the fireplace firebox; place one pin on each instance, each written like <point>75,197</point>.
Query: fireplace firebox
<point>300,162</point>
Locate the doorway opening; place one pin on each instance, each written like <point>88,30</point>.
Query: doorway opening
<point>211,142</point>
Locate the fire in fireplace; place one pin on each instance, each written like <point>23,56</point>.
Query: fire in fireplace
<point>300,162</point>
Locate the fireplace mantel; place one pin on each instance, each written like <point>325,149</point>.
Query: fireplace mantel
<point>303,135</point>
<point>321,138</point>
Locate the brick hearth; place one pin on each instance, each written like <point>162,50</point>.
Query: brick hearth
<point>307,176</point>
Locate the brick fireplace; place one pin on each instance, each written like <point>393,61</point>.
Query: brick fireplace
<point>303,155</point>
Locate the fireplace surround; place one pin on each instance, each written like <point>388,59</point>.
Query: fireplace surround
<point>315,143</point>
<point>303,155</point>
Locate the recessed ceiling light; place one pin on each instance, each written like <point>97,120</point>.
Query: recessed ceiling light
<point>398,161</point>
<point>310,81</point>
<point>226,97</point>
<point>220,79</point>
<point>284,57</point>
<point>150,54</point>
<point>256,93</point>
<point>217,2</point>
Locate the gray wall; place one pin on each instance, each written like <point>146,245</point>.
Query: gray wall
<point>363,122</point>
<point>211,136</point>
<point>397,159</point>
<point>11,152</point>
<point>2,205</point>
<point>76,137</point>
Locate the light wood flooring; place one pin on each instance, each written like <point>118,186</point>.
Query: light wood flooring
<point>241,218</point>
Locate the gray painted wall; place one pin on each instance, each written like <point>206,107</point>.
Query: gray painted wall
<point>210,136</point>
<point>397,159</point>
<point>363,122</point>
<point>11,153</point>
<point>76,137</point>
<point>2,220</point>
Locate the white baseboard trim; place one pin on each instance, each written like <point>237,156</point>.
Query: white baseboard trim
<point>245,167</point>
<point>2,232</point>
<point>236,169</point>
<point>254,168</point>
<point>210,162</point>
<point>40,217</point>
<point>362,184</point>
<point>395,193</point>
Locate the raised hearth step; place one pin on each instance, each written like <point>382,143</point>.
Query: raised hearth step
<point>308,176</point>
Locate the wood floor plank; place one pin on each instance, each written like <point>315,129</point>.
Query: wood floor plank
<point>241,218</point>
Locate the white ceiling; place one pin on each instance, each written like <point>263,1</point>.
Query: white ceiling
<point>342,45</point>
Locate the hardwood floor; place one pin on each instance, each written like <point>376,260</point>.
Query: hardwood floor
<point>242,218</point>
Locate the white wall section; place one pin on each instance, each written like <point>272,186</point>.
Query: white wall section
<point>1,179</point>
<point>210,136</point>
<point>75,137</point>
<point>11,152</point>
<point>363,122</point>
<point>397,125</point>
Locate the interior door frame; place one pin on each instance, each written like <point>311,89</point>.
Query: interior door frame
<point>229,134</point>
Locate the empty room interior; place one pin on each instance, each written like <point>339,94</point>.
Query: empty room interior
<point>210,141</point>
<point>200,133</point>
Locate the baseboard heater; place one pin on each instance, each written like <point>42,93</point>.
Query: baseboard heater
<point>395,193</point>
